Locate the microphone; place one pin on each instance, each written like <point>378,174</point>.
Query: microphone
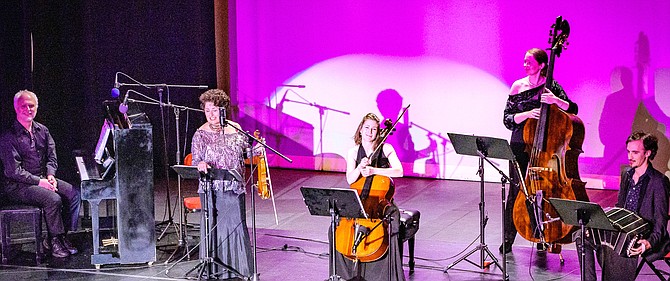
<point>115,90</point>
<point>222,117</point>
<point>123,107</point>
<point>293,86</point>
<point>361,232</point>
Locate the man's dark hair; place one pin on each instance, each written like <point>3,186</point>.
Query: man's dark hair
<point>649,141</point>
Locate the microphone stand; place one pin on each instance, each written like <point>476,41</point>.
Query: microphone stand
<point>253,139</point>
<point>444,146</point>
<point>145,85</point>
<point>322,110</point>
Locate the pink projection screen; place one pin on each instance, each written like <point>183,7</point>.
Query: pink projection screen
<point>453,62</point>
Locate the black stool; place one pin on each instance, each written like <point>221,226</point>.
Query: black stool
<point>409,225</point>
<point>9,213</point>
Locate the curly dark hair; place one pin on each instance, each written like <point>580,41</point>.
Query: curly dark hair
<point>649,141</point>
<point>216,96</point>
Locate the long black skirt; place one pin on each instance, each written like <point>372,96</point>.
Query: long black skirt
<point>230,244</point>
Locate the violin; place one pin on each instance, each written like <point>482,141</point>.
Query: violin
<point>264,183</point>
<point>367,240</point>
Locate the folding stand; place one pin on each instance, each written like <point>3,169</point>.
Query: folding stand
<point>333,202</point>
<point>206,265</point>
<point>484,147</point>
<point>584,214</point>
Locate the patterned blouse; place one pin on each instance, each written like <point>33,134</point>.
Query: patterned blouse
<point>528,100</point>
<point>221,151</point>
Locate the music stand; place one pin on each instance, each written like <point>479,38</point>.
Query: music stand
<point>484,148</point>
<point>584,214</point>
<point>207,263</point>
<point>333,202</point>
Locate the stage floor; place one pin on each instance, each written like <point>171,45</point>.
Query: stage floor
<point>297,247</point>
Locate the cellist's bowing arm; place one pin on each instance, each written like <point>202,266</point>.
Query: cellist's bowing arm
<point>395,170</point>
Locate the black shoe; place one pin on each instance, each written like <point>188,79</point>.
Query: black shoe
<point>57,248</point>
<point>542,247</point>
<point>68,245</point>
<point>508,247</point>
<point>46,244</point>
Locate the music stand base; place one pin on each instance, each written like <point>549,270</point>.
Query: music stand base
<point>207,264</point>
<point>485,250</point>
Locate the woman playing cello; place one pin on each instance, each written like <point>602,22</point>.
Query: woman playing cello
<point>523,103</point>
<point>363,163</point>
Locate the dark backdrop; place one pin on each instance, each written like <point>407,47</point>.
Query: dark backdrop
<point>77,48</point>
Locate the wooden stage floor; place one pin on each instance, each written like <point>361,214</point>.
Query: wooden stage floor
<point>297,247</point>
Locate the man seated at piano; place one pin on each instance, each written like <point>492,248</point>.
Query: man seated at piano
<point>28,154</point>
<point>223,147</point>
<point>644,191</point>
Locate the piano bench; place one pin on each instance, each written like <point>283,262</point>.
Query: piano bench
<point>14,212</point>
<point>409,225</point>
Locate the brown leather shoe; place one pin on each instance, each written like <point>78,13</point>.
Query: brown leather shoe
<point>68,245</point>
<point>57,248</point>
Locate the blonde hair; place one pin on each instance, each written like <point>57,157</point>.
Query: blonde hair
<point>357,134</point>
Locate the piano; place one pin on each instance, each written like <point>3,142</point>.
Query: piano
<point>130,186</point>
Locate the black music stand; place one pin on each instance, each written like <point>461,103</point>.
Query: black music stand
<point>584,214</point>
<point>484,148</point>
<point>206,265</point>
<point>333,202</point>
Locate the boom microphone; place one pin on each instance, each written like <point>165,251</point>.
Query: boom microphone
<point>361,232</point>
<point>123,107</point>
<point>115,90</point>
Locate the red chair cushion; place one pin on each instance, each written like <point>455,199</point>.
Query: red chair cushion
<point>192,203</point>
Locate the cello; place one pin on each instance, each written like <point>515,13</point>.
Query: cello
<point>554,142</point>
<point>367,240</point>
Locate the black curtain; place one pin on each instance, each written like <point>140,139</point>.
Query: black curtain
<point>76,47</point>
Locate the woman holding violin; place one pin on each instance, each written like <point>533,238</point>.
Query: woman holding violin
<point>220,147</point>
<point>373,161</point>
<point>524,101</point>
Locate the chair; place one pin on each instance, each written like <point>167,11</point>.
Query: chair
<point>409,225</point>
<point>191,204</point>
<point>658,272</point>
<point>15,212</point>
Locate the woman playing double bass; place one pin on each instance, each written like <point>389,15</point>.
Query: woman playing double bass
<point>523,103</point>
<point>361,162</point>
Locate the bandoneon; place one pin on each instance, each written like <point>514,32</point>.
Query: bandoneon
<point>630,226</point>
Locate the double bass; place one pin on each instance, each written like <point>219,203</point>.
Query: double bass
<point>554,142</point>
<point>367,240</point>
